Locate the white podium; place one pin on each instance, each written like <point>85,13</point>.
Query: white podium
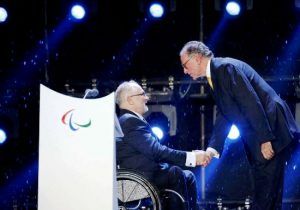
<point>76,153</point>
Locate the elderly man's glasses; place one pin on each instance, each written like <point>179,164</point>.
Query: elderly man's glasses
<point>140,94</point>
<point>184,64</point>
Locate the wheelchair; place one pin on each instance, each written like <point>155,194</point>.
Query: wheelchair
<point>135,192</point>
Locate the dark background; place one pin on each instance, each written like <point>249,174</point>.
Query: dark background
<point>117,41</point>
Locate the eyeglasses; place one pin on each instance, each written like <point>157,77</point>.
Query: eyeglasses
<point>184,64</point>
<point>140,94</point>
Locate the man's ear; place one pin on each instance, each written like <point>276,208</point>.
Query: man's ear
<point>198,58</point>
<point>129,100</point>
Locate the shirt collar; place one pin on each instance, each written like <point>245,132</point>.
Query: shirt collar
<point>140,116</point>
<point>207,71</point>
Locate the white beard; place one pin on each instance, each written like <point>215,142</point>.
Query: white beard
<point>146,109</point>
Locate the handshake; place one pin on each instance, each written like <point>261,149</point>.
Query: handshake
<point>203,158</point>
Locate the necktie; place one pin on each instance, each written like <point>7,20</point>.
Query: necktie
<point>210,82</point>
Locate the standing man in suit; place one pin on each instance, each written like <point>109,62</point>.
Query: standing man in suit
<point>140,149</point>
<point>264,119</point>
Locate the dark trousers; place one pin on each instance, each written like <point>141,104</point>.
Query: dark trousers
<point>268,183</point>
<point>183,182</point>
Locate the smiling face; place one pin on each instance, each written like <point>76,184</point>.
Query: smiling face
<point>137,99</point>
<point>193,65</point>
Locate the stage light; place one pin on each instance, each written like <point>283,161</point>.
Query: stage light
<point>159,124</point>
<point>234,133</point>
<point>156,10</point>
<point>233,8</point>
<point>158,132</point>
<point>9,124</point>
<point>78,12</point>
<point>164,116</point>
<point>3,14</point>
<point>2,136</point>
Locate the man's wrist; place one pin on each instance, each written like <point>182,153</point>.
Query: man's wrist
<point>212,152</point>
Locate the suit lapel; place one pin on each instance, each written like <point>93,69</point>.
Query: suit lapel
<point>124,111</point>
<point>216,92</point>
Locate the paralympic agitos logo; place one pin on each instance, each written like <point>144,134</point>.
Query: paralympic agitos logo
<point>74,126</point>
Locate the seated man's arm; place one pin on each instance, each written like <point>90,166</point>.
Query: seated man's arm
<point>139,136</point>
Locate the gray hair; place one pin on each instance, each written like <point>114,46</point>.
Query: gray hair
<point>196,47</point>
<point>124,89</point>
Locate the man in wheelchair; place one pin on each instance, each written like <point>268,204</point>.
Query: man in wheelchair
<point>141,151</point>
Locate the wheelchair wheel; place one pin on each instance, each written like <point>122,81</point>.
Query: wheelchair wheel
<point>135,192</point>
<point>168,196</point>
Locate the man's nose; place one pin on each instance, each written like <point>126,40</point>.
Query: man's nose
<point>147,97</point>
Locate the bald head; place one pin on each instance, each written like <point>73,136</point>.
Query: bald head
<point>131,96</point>
<point>124,90</point>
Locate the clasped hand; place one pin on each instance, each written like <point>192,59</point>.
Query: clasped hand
<point>267,150</point>
<point>202,158</point>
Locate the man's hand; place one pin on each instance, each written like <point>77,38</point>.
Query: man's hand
<point>267,150</point>
<point>210,154</point>
<point>202,158</point>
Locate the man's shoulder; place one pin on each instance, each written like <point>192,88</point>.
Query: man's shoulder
<point>220,62</point>
<point>128,117</point>
<point>222,67</point>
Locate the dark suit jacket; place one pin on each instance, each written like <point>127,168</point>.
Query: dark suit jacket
<point>245,99</point>
<point>140,149</point>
